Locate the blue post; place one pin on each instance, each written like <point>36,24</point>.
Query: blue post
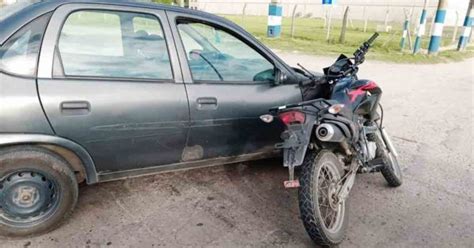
<point>405,33</point>
<point>437,34</point>
<point>421,29</point>
<point>468,21</point>
<point>274,19</point>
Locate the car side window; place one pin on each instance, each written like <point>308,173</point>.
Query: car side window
<point>19,54</point>
<point>114,44</point>
<point>216,55</point>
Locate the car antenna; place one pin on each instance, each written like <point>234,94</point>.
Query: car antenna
<point>311,75</point>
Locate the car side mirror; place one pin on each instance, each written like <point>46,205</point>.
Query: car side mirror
<point>280,77</point>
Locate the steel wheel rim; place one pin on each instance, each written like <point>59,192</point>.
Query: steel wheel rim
<point>27,198</point>
<point>331,213</point>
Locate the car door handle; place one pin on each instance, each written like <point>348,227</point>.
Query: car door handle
<point>75,108</point>
<point>207,100</point>
<point>207,103</point>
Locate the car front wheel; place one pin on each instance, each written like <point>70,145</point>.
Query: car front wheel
<point>38,190</point>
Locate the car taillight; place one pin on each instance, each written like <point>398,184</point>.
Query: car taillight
<point>292,117</point>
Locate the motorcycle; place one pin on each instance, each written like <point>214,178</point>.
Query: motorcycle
<point>331,139</point>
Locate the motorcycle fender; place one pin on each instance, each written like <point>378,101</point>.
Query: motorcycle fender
<point>296,141</point>
<point>293,157</point>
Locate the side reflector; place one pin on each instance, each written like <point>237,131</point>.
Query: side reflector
<point>266,118</point>
<point>291,184</point>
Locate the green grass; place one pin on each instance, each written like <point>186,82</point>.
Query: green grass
<point>310,37</point>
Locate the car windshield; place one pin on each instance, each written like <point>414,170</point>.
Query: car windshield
<point>10,7</point>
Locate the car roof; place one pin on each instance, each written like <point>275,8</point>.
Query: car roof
<point>12,23</point>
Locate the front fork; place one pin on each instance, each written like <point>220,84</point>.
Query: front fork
<point>349,178</point>
<point>388,142</point>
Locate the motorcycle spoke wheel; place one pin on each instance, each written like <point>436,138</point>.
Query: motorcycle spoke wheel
<point>331,210</point>
<point>324,218</point>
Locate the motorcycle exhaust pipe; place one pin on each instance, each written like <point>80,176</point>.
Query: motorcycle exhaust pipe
<point>329,133</point>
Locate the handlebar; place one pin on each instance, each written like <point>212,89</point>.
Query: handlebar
<point>372,38</point>
<point>343,66</point>
<point>359,55</point>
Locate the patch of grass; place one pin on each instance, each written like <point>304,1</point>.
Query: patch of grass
<point>310,37</point>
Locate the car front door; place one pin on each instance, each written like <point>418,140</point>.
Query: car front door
<point>109,80</point>
<point>230,84</point>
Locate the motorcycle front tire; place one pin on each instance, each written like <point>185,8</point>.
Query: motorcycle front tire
<point>391,170</point>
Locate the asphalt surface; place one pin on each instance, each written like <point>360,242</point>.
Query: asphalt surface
<point>428,111</point>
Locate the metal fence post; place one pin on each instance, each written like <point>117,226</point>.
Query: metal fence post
<point>405,31</point>
<point>438,27</point>
<point>467,27</point>
<point>365,18</point>
<point>328,32</point>
<point>455,31</point>
<point>293,16</point>
<point>342,38</point>
<point>387,12</point>
<point>329,5</point>
<point>412,12</point>
<point>243,14</point>
<point>421,29</point>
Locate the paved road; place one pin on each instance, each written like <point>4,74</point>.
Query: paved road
<point>429,111</point>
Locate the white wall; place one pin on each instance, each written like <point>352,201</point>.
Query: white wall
<point>375,9</point>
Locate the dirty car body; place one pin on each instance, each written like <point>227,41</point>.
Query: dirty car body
<point>165,96</point>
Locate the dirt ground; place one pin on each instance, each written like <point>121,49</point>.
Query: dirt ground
<point>428,111</point>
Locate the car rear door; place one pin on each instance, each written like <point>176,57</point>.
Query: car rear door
<point>109,79</point>
<point>230,84</point>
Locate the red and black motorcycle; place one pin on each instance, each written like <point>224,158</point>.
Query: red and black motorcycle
<point>332,138</point>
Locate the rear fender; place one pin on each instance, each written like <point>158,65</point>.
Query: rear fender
<point>45,140</point>
<point>296,140</point>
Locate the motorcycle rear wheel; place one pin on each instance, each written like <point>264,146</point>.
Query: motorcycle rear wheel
<point>324,219</point>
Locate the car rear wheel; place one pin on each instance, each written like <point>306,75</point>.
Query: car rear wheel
<point>38,190</point>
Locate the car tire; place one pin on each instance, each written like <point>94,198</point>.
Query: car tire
<point>38,191</point>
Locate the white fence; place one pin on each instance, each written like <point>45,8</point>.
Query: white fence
<point>386,12</point>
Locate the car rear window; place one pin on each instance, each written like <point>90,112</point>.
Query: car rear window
<point>114,44</point>
<point>19,54</point>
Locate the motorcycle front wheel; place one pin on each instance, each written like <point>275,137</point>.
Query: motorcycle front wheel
<point>391,170</point>
<point>324,218</point>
